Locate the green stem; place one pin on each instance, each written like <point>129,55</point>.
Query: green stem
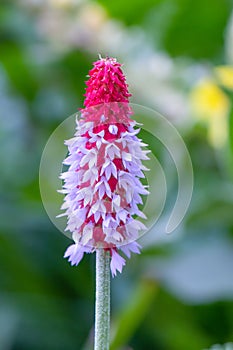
<point>102,305</point>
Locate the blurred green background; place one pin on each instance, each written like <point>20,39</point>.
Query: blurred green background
<point>177,55</point>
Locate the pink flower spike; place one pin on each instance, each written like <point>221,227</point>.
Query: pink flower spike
<point>117,262</point>
<point>102,185</point>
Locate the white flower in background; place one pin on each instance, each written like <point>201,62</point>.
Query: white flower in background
<point>228,346</point>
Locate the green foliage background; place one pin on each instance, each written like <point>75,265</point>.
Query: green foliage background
<point>46,304</point>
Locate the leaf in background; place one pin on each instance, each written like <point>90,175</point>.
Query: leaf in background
<point>133,13</point>
<point>133,314</point>
<point>197,32</point>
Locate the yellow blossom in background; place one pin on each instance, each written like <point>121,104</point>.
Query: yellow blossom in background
<point>218,131</point>
<point>211,105</point>
<point>224,75</point>
<point>208,99</point>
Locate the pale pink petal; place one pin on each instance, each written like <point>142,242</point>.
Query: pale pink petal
<point>117,262</point>
<point>132,247</point>
<point>75,253</point>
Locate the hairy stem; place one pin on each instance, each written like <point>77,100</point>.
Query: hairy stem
<point>102,306</point>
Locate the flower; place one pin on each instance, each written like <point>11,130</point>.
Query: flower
<point>209,99</point>
<point>211,105</point>
<point>102,184</point>
<point>224,75</point>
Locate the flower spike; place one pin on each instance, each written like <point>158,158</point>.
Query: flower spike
<point>102,185</point>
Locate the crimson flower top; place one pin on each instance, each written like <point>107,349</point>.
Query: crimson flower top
<point>106,83</point>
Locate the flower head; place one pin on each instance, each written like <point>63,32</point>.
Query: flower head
<point>102,185</point>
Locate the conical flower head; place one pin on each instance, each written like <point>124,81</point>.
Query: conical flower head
<point>102,185</point>
<point>106,83</point>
